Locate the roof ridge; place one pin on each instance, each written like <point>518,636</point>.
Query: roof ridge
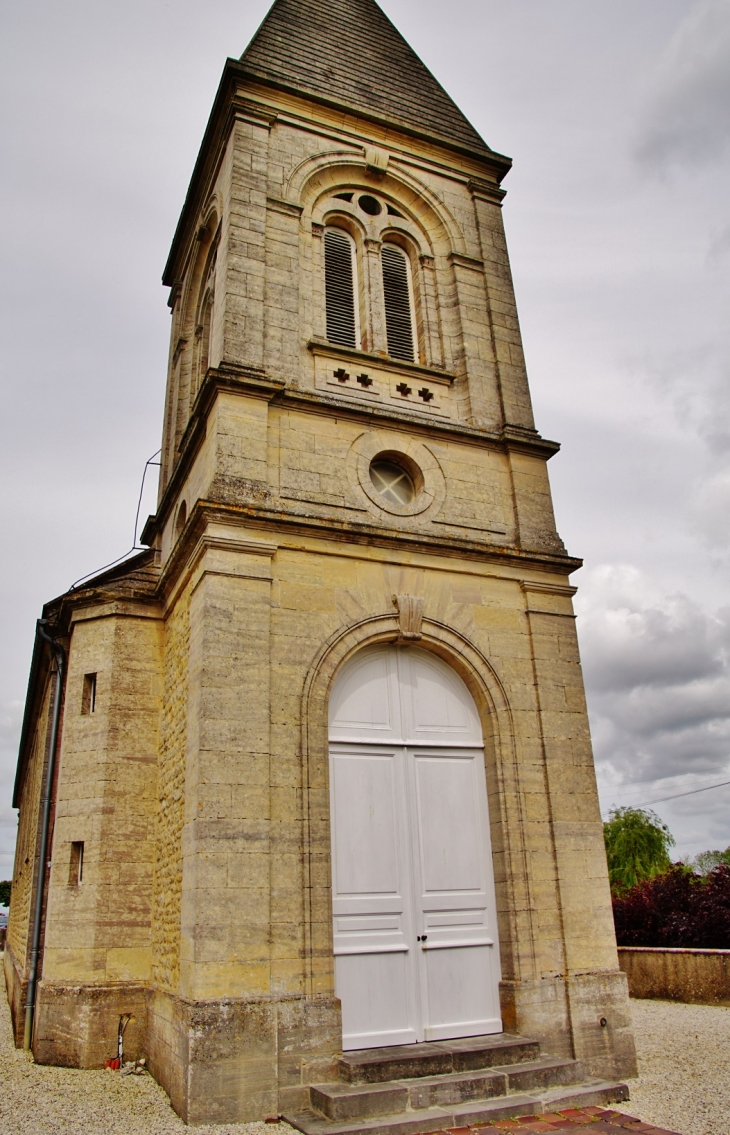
<point>350,52</point>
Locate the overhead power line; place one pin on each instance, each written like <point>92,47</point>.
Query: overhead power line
<point>677,795</point>
<point>691,792</point>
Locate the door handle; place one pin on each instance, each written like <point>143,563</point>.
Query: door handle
<point>421,937</point>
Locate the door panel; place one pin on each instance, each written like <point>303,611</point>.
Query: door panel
<point>365,829</point>
<point>462,994</point>
<point>371,900</point>
<point>376,1007</point>
<point>455,894</point>
<point>364,705</point>
<point>415,942</point>
<point>437,707</point>
<point>450,839</point>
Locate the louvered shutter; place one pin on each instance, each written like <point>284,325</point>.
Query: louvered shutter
<point>339,271</point>
<point>398,308</point>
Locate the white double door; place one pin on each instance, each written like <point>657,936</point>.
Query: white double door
<point>415,942</point>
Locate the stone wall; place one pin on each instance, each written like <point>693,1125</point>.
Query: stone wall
<point>25,869</point>
<point>700,977</point>
<point>171,800</point>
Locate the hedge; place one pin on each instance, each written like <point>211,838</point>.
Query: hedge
<point>676,909</point>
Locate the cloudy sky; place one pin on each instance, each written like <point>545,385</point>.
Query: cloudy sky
<point>617,115</point>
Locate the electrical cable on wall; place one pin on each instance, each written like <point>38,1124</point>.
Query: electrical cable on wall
<point>135,546</point>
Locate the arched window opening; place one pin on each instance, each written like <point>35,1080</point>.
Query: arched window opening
<point>181,520</point>
<point>398,295</point>
<point>202,335</point>
<point>341,288</point>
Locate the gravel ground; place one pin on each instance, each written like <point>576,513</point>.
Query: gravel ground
<point>39,1100</point>
<point>684,1066</point>
<point>684,1058</point>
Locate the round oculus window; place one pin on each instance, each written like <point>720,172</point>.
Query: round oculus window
<point>370,205</point>
<point>392,482</point>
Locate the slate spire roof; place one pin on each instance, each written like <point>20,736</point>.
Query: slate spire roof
<point>348,52</point>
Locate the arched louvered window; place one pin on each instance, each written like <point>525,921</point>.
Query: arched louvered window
<point>399,320</point>
<point>341,288</point>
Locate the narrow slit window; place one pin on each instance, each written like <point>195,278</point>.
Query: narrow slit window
<point>76,869</point>
<point>340,288</point>
<point>88,698</point>
<point>399,321</point>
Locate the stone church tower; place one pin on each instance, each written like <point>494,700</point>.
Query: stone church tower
<point>316,766</point>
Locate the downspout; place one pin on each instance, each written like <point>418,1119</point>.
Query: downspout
<point>45,824</point>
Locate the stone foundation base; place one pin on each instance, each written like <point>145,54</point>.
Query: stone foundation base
<point>237,1061</point>
<point>16,987</point>
<point>566,1016</point>
<point>76,1026</point>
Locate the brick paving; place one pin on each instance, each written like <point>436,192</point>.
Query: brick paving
<point>576,1121</point>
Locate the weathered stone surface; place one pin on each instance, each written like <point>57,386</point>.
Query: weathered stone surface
<point>700,977</point>
<point>199,785</point>
<point>76,1026</point>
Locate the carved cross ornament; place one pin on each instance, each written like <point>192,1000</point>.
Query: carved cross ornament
<point>410,616</point>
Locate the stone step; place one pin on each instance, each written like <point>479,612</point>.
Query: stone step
<point>435,1058</point>
<point>591,1093</point>
<point>420,1122</point>
<point>350,1101</point>
<point>546,1072</point>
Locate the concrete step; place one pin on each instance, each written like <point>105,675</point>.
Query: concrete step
<point>546,1072</point>
<point>591,1093</point>
<point>424,1120</point>
<point>435,1058</point>
<point>350,1101</point>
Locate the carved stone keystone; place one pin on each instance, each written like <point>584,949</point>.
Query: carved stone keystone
<point>410,616</point>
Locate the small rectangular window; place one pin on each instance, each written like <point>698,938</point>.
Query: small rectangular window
<point>88,698</point>
<point>76,869</point>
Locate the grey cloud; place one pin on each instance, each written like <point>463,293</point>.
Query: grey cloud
<point>688,113</point>
<point>712,509</point>
<point>719,246</point>
<point>634,638</point>
<point>657,673</point>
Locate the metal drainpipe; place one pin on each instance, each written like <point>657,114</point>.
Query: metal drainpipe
<point>45,824</point>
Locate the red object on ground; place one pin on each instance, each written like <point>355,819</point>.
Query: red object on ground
<point>115,1064</point>
<point>572,1121</point>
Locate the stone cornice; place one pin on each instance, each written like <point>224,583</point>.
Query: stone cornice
<point>516,439</point>
<point>236,379</point>
<point>307,522</point>
<point>498,164</point>
<point>486,191</point>
<point>251,381</point>
<point>458,260</point>
<point>510,438</point>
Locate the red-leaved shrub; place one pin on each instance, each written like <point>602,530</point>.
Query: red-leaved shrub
<point>676,909</point>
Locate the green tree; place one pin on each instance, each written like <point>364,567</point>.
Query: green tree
<point>637,846</point>
<point>706,861</point>
<point>5,893</point>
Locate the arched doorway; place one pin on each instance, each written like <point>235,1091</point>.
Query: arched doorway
<point>414,912</point>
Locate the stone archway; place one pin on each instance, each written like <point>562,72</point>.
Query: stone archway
<point>504,792</point>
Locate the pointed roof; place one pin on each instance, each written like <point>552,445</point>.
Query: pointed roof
<point>348,52</point>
